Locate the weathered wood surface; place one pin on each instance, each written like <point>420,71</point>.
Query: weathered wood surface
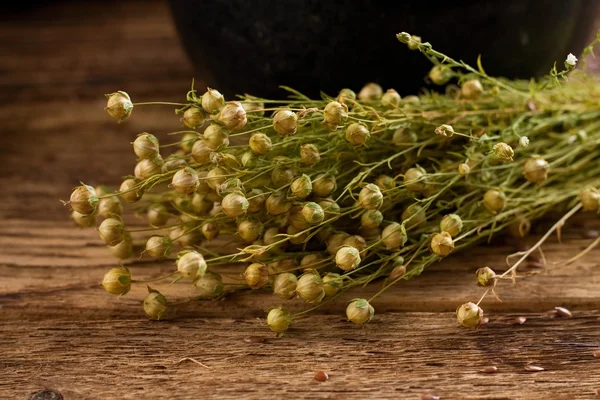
<point>60,330</point>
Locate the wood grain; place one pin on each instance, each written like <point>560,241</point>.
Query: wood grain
<point>61,331</point>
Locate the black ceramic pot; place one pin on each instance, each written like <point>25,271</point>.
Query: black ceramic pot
<point>241,46</point>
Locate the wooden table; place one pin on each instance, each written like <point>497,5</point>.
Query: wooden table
<point>61,331</point>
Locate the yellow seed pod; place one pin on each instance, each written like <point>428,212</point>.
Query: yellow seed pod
<point>334,115</point>
<point>158,246</point>
<point>210,285</point>
<point>371,91</point>
<point>590,199</point>
<point>190,264</point>
<point>370,197</point>
<point>444,130</point>
<point>390,99</point>
<point>404,137</point>
<point>212,101</point>
<point>117,281</point>
<point>469,315</point>
<point>357,134</point>
<point>284,285</point>
<point>346,96</point>
<point>215,137</point>
<point>536,169</point>
<point>452,224</point>
<point>359,311</point>
<point>234,204</point>
<point>279,320</point>
<point>371,219</point>
<point>413,216</point>
<point>310,287</point>
<point>313,213</point>
<point>335,242</point>
<point>414,179</point>
<point>301,187</point>
<point>309,154</point>
<point>185,181</point>
<point>119,105</point>
<point>332,283</point>
<point>215,177</point>
<point>233,116</point>
<point>256,275</point>
<point>155,304</point>
<point>281,176</point>
<point>147,168</point>
<point>111,231</point>
<point>464,169</point>
<point>123,249</point>
<point>358,242</point>
<point>440,75</point>
<point>84,221</point>
<point>471,89</point>
<point>347,258</point>
<point>260,143</point>
<point>285,122</point>
<point>494,200</point>
<point>330,207</point>
<point>84,199</point>
<point>210,230</point>
<point>394,236</point>
<point>503,152</point>
<point>312,261</point>
<point>486,277</point>
<point>277,204</point>
<point>146,145</point>
<point>442,244</point>
<point>250,229</point>
<point>193,117</point>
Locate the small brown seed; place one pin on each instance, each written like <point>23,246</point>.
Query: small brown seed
<point>485,320</point>
<point>533,368</point>
<point>255,339</point>
<point>552,314</point>
<point>518,321</point>
<point>563,312</point>
<point>429,396</point>
<point>321,376</point>
<point>489,369</point>
<point>596,353</point>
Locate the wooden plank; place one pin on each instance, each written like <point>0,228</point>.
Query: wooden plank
<point>397,356</point>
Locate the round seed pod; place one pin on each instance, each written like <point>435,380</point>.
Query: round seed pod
<point>212,101</point>
<point>234,205</point>
<point>270,237</point>
<point>254,107</point>
<point>256,200</point>
<point>359,311</point>
<point>503,152</point>
<point>84,221</point>
<point>471,89</point>
<point>201,152</point>
<point>185,181</point>
<point>414,179</point>
<point>469,315</point>
<point>189,237</point>
<point>452,224</point>
<point>300,238</point>
<point>193,117</point>
<point>210,285</point>
<point>173,163</point>
<point>404,137</point>
<point>215,137</point>
<point>334,115</point>
<point>330,208</point>
<point>312,262</point>
<point>284,285</point>
<point>225,160</point>
<point>155,304</point>
<point>371,219</point>
<point>231,185</point>
<point>398,272</point>
<point>494,200</point>
<point>117,281</point>
<point>233,116</point>
<point>146,145</point>
<point>279,320</point>
<point>301,187</point>
<point>190,264</point>
<point>390,99</point>
<point>335,242</point>
<point>111,231</point>
<point>310,288</point>
<point>332,283</point>
<point>309,154</point>
<point>210,230</point>
<point>590,199</point>
<point>371,234</point>
<point>325,232</point>
<point>414,42</point>
<point>486,277</point>
<point>200,205</point>
<point>313,213</point>
<point>347,258</point>
<point>394,236</point>
<point>159,246</point>
<point>285,122</point>
<point>260,143</point>
<point>440,75</point>
<point>147,168</point>
<point>158,215</point>
<point>371,91</point>
<point>187,142</point>
<point>119,105</point>
<point>413,216</point>
<point>248,159</point>
<point>277,204</point>
<point>442,244</point>
<point>123,249</point>
<point>536,169</point>
<point>346,96</point>
<point>359,243</point>
<point>296,219</point>
<point>464,169</point>
<point>444,130</point>
<point>370,197</point>
<point>130,190</point>
<point>250,229</point>
<point>385,182</point>
<point>281,176</point>
<point>215,177</point>
<point>357,134</point>
<point>84,199</point>
<point>324,185</point>
<point>256,275</point>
